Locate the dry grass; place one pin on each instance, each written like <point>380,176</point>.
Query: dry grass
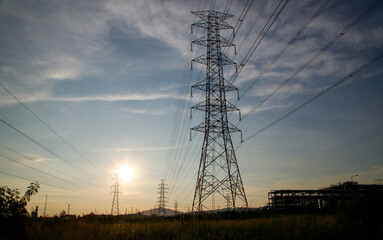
<point>279,227</point>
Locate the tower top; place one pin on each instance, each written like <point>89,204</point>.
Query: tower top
<point>205,14</point>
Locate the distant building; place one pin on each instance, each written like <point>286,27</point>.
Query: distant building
<point>321,198</point>
<point>35,212</point>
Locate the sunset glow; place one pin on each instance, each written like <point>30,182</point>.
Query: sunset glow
<point>125,173</point>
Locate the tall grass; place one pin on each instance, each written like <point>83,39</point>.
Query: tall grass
<point>360,218</point>
<point>278,227</point>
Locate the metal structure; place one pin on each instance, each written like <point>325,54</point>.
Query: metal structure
<point>162,198</point>
<point>217,150</point>
<point>116,192</point>
<point>45,205</point>
<point>321,198</point>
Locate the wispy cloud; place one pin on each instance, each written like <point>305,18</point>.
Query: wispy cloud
<point>139,149</point>
<point>128,96</point>
<point>152,19</point>
<point>246,109</point>
<point>118,97</point>
<point>143,111</point>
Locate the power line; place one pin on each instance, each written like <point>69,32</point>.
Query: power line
<point>38,170</point>
<point>242,17</point>
<point>323,5</point>
<point>46,149</point>
<point>51,129</point>
<point>317,96</point>
<point>341,34</point>
<point>260,37</point>
<point>28,179</point>
<point>228,5</point>
<point>37,162</point>
<point>57,91</point>
<point>181,124</point>
<point>252,25</point>
<point>176,168</point>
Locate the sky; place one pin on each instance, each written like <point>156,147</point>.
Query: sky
<point>89,87</point>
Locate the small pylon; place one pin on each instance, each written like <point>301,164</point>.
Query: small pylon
<point>116,191</point>
<point>162,198</point>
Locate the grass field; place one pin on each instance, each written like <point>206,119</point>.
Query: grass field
<point>302,226</point>
<point>357,219</point>
<point>284,227</point>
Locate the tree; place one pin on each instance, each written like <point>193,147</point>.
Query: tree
<point>11,204</point>
<point>62,213</point>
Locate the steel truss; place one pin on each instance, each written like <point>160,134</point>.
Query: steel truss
<point>218,171</point>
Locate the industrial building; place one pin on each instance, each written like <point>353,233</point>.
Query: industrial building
<point>322,198</point>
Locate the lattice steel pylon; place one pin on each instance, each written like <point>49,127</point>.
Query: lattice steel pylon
<point>218,168</point>
<point>162,198</point>
<point>116,192</point>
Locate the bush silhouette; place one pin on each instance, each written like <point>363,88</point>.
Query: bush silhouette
<point>11,204</point>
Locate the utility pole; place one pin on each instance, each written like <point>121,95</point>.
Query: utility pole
<point>45,205</point>
<point>175,207</point>
<point>68,208</point>
<point>116,191</point>
<point>227,202</point>
<point>217,149</point>
<point>162,198</point>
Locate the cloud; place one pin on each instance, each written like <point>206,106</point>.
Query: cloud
<point>134,96</point>
<point>165,21</point>
<point>140,149</point>
<point>246,109</point>
<point>286,91</point>
<point>143,111</point>
<point>127,96</point>
<point>35,159</point>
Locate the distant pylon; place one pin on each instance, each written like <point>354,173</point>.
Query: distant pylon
<point>45,205</point>
<point>116,191</point>
<point>162,198</point>
<point>217,150</point>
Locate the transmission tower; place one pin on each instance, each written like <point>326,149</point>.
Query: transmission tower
<point>116,192</point>
<point>218,169</point>
<point>162,198</point>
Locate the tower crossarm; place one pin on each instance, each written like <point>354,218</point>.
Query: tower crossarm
<point>215,107</point>
<point>203,41</point>
<point>221,59</point>
<point>204,15</point>
<point>215,128</point>
<point>202,86</point>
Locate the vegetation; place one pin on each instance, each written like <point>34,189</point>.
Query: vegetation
<point>276,226</point>
<point>11,204</point>
<point>355,219</point>
<point>13,211</point>
<point>358,218</point>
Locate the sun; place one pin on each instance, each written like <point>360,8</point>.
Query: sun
<point>125,173</point>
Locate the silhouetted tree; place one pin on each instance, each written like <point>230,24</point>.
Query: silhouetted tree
<point>11,204</point>
<point>62,213</point>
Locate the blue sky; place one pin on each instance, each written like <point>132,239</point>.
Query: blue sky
<point>109,78</point>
